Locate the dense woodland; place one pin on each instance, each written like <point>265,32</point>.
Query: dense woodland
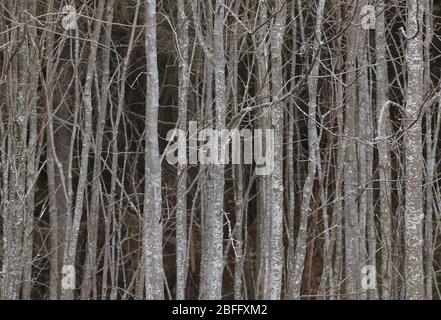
<point>91,208</point>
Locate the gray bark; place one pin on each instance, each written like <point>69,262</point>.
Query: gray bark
<point>90,268</point>
<point>313,161</point>
<point>152,214</point>
<point>414,217</point>
<point>351,215</point>
<point>277,122</point>
<point>73,229</point>
<point>181,198</point>
<point>383,154</point>
<point>211,280</point>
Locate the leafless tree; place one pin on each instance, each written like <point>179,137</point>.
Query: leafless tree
<point>93,208</point>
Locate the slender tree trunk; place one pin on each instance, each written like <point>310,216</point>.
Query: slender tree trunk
<point>211,287</point>
<point>431,144</point>
<point>290,159</point>
<point>90,268</point>
<point>152,219</point>
<point>181,198</point>
<point>276,216</point>
<point>365,130</point>
<point>352,263</point>
<point>414,217</point>
<point>17,137</point>
<point>313,160</point>
<point>238,172</point>
<point>31,174</point>
<point>264,182</point>
<point>383,153</point>
<point>72,232</point>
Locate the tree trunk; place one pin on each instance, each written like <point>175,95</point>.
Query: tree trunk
<point>211,286</point>
<point>181,192</point>
<point>152,220</point>
<point>414,217</point>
